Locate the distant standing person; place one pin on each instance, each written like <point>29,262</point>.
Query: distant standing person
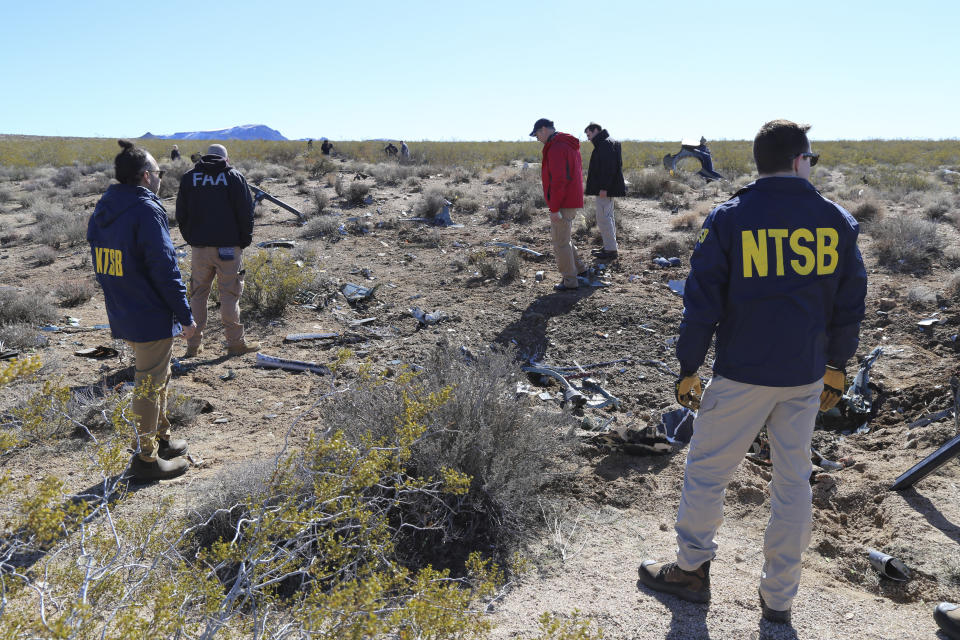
<point>326,147</point>
<point>605,180</point>
<point>195,157</point>
<point>404,150</point>
<point>136,265</point>
<point>215,215</point>
<point>391,150</point>
<point>175,153</point>
<point>562,175</point>
<point>777,276</point>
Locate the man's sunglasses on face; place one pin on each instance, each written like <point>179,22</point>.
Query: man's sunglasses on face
<point>814,157</point>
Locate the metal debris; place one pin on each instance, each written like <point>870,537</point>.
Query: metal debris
<point>99,352</point>
<point>259,194</point>
<point>677,286</point>
<point>355,293</point>
<point>428,319</point>
<point>300,337</point>
<point>947,452</point>
<point>277,244</point>
<point>508,246</point>
<point>272,362</point>
<point>888,566</point>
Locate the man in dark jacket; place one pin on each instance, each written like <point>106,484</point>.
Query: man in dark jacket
<point>605,180</point>
<point>136,266</point>
<point>215,216</point>
<point>562,175</point>
<point>777,276</point>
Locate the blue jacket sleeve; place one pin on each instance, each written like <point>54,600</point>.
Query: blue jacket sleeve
<point>161,259</point>
<point>182,212</point>
<point>704,296</point>
<point>848,306</point>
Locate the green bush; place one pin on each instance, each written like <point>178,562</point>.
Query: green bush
<point>272,282</point>
<point>72,293</point>
<point>429,204</point>
<point>648,183</point>
<point>321,226</point>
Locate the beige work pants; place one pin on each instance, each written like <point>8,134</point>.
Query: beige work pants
<point>730,417</point>
<point>568,262</point>
<point>152,374</point>
<point>205,263</point>
<point>606,224</point>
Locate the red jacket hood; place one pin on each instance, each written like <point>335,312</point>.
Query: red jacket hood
<point>563,138</point>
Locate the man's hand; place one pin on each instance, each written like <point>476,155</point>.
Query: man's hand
<point>602,194</point>
<point>189,330</point>
<point>688,391</point>
<point>833,382</point>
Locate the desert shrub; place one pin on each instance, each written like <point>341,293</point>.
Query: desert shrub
<point>668,248</point>
<point>389,174</point>
<point>170,184</point>
<point>482,430</point>
<point>257,172</point>
<point>938,208</point>
<point>319,200</point>
<point>44,256</point>
<point>56,227</point>
<point>357,192</point>
<point>74,292</point>
<point>321,226</point>
<point>920,296</point>
<point>28,307</point>
<point>528,191</point>
<point>487,269</point>
<point>65,176</point>
<point>467,204</point>
<point>272,282</point>
<point>460,175</point>
<point>866,211</point>
<point>96,185</point>
<point>686,221</point>
<point>21,335</point>
<point>906,243</point>
<point>429,204</point>
<point>338,185</point>
<point>6,195</point>
<point>951,288</point>
<point>648,183</point>
<point>320,167</point>
<point>512,265</point>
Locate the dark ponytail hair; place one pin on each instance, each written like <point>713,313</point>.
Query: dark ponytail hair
<point>129,163</point>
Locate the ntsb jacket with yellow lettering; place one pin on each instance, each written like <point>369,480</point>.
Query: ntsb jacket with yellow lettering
<point>777,275</point>
<point>135,263</point>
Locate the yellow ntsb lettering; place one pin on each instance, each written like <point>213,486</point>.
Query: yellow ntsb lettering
<point>813,249</point>
<point>109,261</point>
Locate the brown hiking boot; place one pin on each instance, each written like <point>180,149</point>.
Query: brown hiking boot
<point>193,351</point>
<point>242,348</point>
<point>159,469</point>
<point>947,616</point>
<point>693,586</point>
<point>170,449</point>
<point>773,615</point>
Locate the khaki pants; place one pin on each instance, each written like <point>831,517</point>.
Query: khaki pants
<point>568,262</point>
<point>606,224</point>
<point>730,417</point>
<point>205,263</point>
<point>152,366</point>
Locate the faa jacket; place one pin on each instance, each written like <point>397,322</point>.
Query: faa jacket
<point>214,205</point>
<point>606,167</point>
<point>777,274</point>
<point>562,172</point>
<point>136,265</point>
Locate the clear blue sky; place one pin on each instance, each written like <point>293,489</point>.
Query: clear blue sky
<point>481,71</point>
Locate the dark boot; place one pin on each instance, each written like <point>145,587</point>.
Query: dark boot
<point>773,615</point>
<point>170,449</point>
<point>693,586</point>
<point>159,469</point>
<point>947,616</point>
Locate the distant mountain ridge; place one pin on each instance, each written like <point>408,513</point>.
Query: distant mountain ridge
<point>243,132</point>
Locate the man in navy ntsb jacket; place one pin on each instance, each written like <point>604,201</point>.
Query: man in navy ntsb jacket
<point>777,276</point>
<point>146,301</point>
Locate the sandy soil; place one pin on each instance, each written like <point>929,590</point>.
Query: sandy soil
<point>619,507</point>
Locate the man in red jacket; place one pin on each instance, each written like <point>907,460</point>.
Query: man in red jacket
<point>562,176</point>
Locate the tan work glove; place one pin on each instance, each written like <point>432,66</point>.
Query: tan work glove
<point>688,391</point>
<point>833,382</point>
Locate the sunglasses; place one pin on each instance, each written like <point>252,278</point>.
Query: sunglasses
<point>814,157</point>
<point>159,172</point>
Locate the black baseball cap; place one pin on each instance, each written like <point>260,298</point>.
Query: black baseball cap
<point>542,122</point>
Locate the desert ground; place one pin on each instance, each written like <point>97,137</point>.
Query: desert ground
<point>604,507</point>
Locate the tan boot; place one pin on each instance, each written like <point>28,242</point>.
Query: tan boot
<point>693,586</point>
<point>159,469</point>
<point>193,350</point>
<point>243,347</point>
<point>947,616</point>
